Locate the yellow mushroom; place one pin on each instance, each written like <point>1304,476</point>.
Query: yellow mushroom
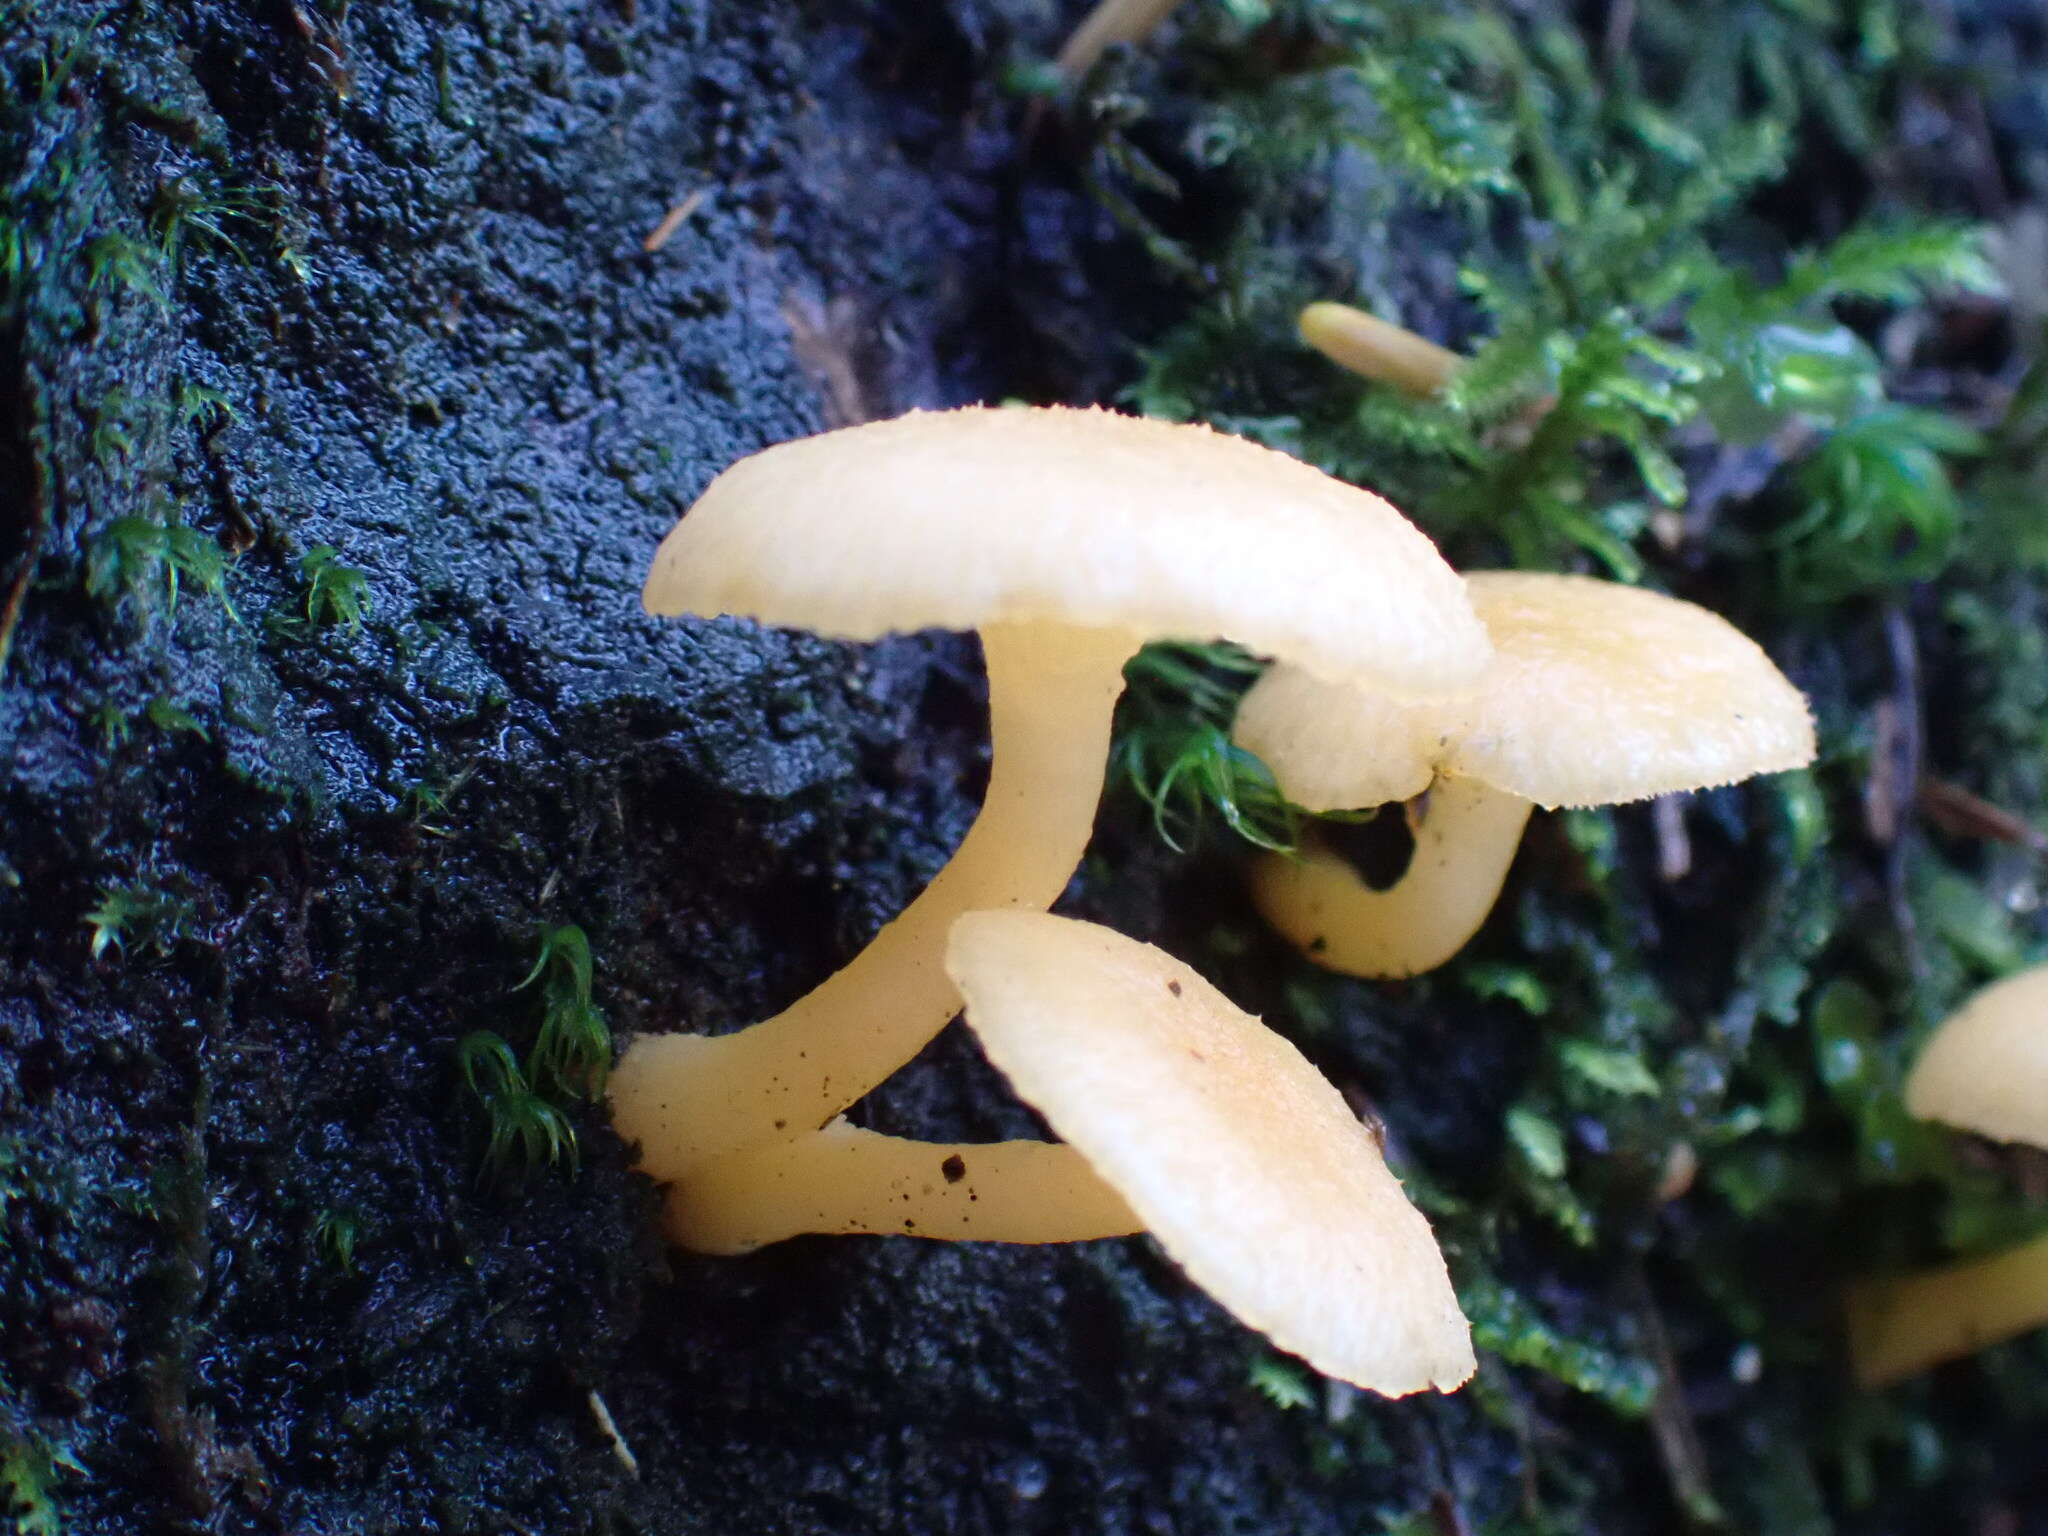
<point>1985,1069</point>
<point>1069,538</point>
<point>1183,1116</point>
<point>1377,349</point>
<point>1598,693</point>
<point>1109,23</point>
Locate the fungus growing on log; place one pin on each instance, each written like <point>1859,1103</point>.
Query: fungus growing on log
<point>1598,693</point>
<point>1984,1070</point>
<point>1182,1115</point>
<point>1068,538</point>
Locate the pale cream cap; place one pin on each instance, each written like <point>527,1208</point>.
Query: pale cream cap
<point>956,519</point>
<point>1986,1068</point>
<point>1238,1156</point>
<point>1598,693</point>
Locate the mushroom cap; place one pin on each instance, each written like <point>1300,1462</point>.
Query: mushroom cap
<point>1235,1152</point>
<point>957,519</point>
<point>1986,1068</point>
<point>1597,693</point>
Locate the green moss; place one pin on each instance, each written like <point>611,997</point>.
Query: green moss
<point>335,1234</point>
<point>1283,1383</point>
<point>187,215</point>
<point>116,262</point>
<point>572,1049</point>
<point>144,561</point>
<point>1173,748</point>
<point>1504,1323</point>
<point>336,594</point>
<point>522,1130</point>
<point>134,917</point>
<point>523,1103</point>
<point>30,1469</point>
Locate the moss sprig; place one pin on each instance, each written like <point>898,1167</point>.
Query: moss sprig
<point>572,1051</point>
<point>524,1103</point>
<point>1173,748</point>
<point>523,1130</point>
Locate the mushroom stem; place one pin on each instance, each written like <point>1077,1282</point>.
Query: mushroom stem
<point>1112,21</point>
<point>1903,1324</point>
<point>846,1180</point>
<point>690,1098</point>
<point>1465,839</point>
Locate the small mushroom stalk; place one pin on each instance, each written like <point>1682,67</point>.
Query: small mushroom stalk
<point>1466,833</point>
<point>1598,694</point>
<point>1377,349</point>
<point>688,1099</point>
<point>847,1181</point>
<point>1111,22</point>
<point>1904,1324</point>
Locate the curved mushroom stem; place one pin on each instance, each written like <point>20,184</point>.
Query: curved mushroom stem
<point>1465,840</point>
<point>690,1098</point>
<point>1905,1323</point>
<point>846,1180</point>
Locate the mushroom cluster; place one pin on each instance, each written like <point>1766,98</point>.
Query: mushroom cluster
<point>1069,538</point>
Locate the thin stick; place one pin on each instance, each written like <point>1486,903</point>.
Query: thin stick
<point>610,1427</point>
<point>17,589</point>
<point>672,221</point>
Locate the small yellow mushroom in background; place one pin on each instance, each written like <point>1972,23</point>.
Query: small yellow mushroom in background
<point>1598,693</point>
<point>1069,538</point>
<point>1985,1069</point>
<point>1377,349</point>
<point>1111,22</point>
<point>1184,1117</point>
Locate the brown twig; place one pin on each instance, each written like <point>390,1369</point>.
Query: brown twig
<point>17,591</point>
<point>1961,814</point>
<point>825,338</point>
<point>1671,1423</point>
<point>32,552</point>
<point>672,221</point>
<point>1888,795</point>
